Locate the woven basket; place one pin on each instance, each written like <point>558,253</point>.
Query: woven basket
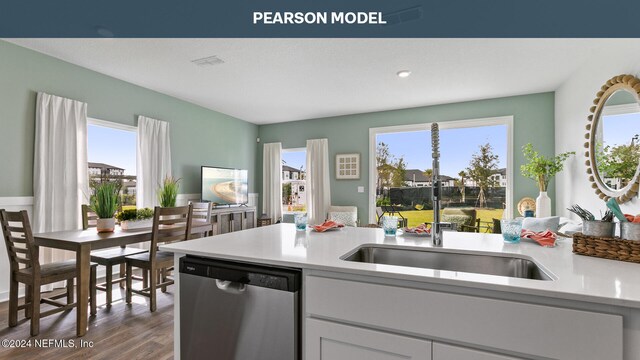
<point>607,248</point>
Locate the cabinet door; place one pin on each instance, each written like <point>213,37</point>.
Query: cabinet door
<point>224,223</point>
<point>249,219</point>
<point>450,352</point>
<point>236,221</point>
<point>326,340</point>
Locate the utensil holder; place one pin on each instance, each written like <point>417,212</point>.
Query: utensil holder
<point>630,231</point>
<point>599,228</point>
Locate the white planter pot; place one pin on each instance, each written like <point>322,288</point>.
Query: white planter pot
<point>543,205</point>
<point>136,224</point>
<point>106,225</point>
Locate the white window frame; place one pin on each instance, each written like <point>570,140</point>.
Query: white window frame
<point>452,124</point>
<point>282,151</point>
<point>111,124</point>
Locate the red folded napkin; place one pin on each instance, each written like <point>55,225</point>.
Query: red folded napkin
<point>329,224</point>
<point>545,238</point>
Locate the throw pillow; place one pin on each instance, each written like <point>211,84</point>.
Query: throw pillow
<point>346,218</point>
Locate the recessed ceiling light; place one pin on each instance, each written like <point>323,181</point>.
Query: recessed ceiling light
<point>403,73</point>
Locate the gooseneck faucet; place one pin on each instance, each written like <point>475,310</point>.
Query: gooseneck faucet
<point>436,188</point>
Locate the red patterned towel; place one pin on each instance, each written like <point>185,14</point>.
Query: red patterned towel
<point>545,238</point>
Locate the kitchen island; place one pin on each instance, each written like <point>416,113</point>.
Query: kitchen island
<point>588,308</point>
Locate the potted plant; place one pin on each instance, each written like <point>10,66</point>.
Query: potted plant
<point>542,169</point>
<point>168,191</point>
<point>131,219</point>
<point>105,204</point>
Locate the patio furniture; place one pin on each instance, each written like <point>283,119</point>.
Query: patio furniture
<point>465,218</point>
<point>393,210</point>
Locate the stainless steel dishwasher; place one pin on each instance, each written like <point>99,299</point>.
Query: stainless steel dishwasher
<point>238,311</point>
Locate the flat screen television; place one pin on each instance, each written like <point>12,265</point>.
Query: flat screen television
<point>223,186</point>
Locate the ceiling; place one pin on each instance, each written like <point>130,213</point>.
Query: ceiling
<point>276,80</point>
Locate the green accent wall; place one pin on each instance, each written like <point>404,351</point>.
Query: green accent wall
<point>199,136</point>
<point>533,122</point>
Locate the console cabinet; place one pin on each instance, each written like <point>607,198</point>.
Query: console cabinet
<point>230,219</point>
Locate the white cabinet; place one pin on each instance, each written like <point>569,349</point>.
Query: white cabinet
<point>450,352</point>
<point>326,340</point>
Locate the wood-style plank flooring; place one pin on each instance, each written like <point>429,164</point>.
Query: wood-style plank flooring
<point>121,332</point>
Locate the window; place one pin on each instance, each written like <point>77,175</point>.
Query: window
<point>293,180</point>
<point>111,154</point>
<point>400,168</point>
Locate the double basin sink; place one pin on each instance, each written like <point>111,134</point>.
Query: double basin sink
<point>493,264</point>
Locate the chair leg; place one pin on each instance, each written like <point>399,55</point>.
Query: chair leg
<point>128,291</point>
<point>93,291</point>
<point>28,294</point>
<point>109,284</point>
<point>35,308</point>
<point>13,302</point>
<point>69,291</point>
<point>163,278</point>
<point>145,279</point>
<point>152,289</point>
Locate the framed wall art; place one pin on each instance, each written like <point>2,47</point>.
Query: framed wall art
<point>347,166</point>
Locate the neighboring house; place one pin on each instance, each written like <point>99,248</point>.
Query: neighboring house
<point>104,170</point>
<point>290,173</point>
<point>500,177</point>
<point>417,178</point>
<point>100,171</point>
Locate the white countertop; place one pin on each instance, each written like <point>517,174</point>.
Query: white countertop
<point>576,277</point>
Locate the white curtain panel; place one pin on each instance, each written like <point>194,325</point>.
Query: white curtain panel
<point>60,173</point>
<point>318,188</point>
<point>272,181</point>
<point>153,160</point>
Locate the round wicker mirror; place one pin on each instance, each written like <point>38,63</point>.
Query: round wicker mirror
<point>613,139</point>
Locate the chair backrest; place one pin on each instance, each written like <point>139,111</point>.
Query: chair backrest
<point>202,210</point>
<point>89,218</point>
<point>170,224</point>
<point>347,215</point>
<point>22,251</point>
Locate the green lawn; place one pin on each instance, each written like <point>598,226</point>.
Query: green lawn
<point>417,217</point>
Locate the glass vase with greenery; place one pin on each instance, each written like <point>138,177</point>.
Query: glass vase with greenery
<point>540,168</point>
<point>168,191</point>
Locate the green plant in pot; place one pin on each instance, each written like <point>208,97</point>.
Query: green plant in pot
<point>542,169</point>
<point>105,204</point>
<point>168,191</point>
<point>135,218</point>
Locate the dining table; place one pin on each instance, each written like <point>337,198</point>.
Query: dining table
<point>82,242</point>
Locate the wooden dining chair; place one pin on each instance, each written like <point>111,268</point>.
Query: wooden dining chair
<point>108,258</point>
<point>202,213</point>
<point>169,225</point>
<point>25,268</point>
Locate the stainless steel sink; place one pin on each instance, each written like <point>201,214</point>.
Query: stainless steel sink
<point>502,265</point>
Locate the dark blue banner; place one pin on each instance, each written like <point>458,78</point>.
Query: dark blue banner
<point>319,18</point>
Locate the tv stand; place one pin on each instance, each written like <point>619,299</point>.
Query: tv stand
<point>230,218</point>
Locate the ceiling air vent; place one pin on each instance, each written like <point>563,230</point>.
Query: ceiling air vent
<point>208,61</point>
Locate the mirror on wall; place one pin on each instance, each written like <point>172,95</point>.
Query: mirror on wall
<point>614,139</point>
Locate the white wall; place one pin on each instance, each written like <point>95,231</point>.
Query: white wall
<point>572,102</point>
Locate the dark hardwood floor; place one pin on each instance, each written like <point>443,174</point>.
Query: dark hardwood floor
<point>121,332</point>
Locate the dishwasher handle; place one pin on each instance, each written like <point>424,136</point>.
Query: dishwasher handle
<point>231,287</point>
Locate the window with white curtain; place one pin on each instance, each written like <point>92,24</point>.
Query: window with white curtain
<point>294,180</point>
<point>111,155</point>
